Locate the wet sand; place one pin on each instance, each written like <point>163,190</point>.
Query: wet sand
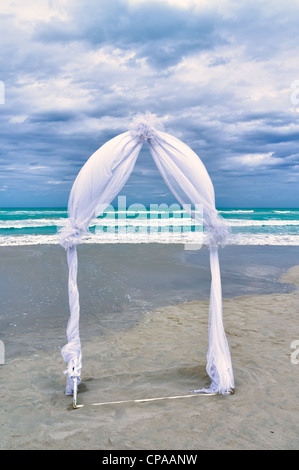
<point>164,354</point>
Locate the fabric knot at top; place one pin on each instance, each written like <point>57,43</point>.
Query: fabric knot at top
<point>145,126</point>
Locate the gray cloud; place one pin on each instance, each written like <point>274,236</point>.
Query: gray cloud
<point>218,77</point>
<point>159,32</point>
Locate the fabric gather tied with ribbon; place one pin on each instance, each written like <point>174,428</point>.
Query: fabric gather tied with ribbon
<point>71,233</point>
<point>218,233</point>
<point>99,182</point>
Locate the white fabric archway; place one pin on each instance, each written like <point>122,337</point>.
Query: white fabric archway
<point>99,182</point>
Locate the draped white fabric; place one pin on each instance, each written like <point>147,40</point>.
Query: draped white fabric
<point>99,182</point>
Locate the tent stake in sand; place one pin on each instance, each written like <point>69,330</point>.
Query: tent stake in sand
<point>75,405</point>
<point>75,394</point>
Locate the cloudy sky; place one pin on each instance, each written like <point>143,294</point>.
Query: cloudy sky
<point>223,76</point>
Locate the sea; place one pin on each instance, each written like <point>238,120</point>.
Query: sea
<point>159,224</point>
<point>121,277</point>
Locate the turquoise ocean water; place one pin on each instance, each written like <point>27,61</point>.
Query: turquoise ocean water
<point>125,279</point>
<point>34,226</point>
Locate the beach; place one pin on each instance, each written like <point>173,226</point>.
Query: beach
<point>149,227</point>
<point>144,334</point>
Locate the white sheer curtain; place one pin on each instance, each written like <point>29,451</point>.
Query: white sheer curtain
<point>99,182</point>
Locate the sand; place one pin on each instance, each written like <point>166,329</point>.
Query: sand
<point>164,355</point>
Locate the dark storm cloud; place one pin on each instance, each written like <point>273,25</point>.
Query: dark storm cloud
<point>219,76</point>
<point>159,32</point>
